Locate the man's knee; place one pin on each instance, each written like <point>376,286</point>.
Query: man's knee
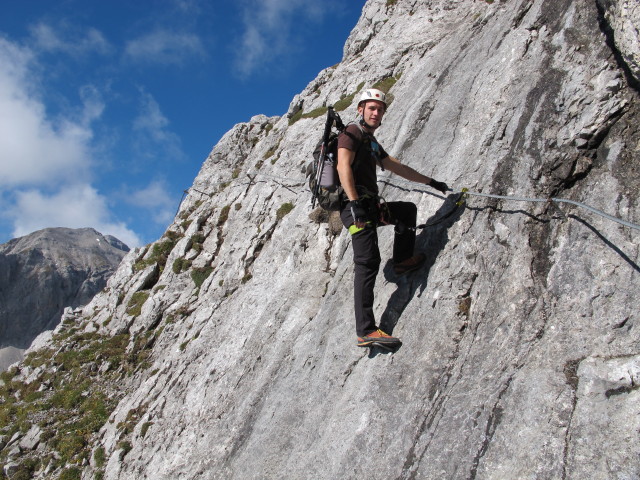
<point>409,213</point>
<point>410,209</point>
<point>370,264</point>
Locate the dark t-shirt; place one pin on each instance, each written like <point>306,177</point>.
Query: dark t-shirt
<point>368,153</point>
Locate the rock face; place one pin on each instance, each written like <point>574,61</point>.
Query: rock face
<point>521,344</point>
<point>621,24</point>
<point>46,271</point>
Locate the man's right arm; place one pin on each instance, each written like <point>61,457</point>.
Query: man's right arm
<point>345,172</point>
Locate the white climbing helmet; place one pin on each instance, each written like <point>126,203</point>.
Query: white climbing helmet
<point>373,94</point>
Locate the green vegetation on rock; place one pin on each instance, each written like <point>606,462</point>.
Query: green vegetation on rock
<point>67,392</point>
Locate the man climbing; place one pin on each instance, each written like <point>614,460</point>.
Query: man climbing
<point>361,212</point>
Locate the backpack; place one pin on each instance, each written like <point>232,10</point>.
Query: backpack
<point>322,171</point>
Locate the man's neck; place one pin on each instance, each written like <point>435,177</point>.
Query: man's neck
<point>370,130</point>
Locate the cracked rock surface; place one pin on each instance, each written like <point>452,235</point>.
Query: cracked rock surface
<point>520,334</point>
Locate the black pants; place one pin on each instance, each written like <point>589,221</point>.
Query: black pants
<point>366,257</point>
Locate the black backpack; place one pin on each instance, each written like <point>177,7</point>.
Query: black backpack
<point>322,171</point>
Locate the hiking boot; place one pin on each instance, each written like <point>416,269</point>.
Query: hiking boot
<point>378,337</point>
<point>410,264</point>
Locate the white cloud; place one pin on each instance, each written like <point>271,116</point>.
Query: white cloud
<point>68,40</point>
<point>45,163</point>
<point>93,104</point>
<point>150,117</point>
<point>268,26</point>
<point>153,134</point>
<point>189,7</point>
<point>165,48</point>
<point>74,206</point>
<point>34,149</point>
<point>156,199</point>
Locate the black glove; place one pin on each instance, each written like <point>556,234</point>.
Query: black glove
<point>358,213</point>
<point>440,186</point>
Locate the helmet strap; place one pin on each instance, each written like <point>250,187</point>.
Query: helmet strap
<point>365,124</point>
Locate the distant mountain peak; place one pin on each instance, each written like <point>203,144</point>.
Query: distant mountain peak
<point>46,271</point>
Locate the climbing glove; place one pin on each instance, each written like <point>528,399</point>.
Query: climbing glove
<point>440,186</point>
<point>358,213</point>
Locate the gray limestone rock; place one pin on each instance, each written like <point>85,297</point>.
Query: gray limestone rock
<point>44,272</point>
<point>10,469</point>
<point>521,331</point>
<point>622,24</point>
<point>31,439</point>
<point>9,355</point>
<point>607,407</point>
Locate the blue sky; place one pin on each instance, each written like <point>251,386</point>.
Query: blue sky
<point>108,108</point>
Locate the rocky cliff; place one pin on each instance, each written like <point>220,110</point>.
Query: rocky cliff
<point>44,272</point>
<point>226,350</point>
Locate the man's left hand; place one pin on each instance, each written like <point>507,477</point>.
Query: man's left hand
<point>440,186</point>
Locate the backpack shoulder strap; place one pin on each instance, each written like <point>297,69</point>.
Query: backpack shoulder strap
<point>363,134</point>
<point>360,140</point>
<point>368,139</point>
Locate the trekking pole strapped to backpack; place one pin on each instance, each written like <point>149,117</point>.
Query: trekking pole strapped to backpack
<point>324,181</point>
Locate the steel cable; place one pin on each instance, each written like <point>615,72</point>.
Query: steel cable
<point>557,200</point>
<point>463,192</point>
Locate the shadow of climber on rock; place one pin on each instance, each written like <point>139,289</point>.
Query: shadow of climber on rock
<point>431,241</point>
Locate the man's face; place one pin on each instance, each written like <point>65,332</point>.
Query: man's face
<point>372,111</point>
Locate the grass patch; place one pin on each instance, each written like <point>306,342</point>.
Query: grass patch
<point>71,473</point>
<point>145,428</point>
<point>197,240</point>
<point>68,397</point>
<point>70,445</point>
<point>344,102</point>
<point>134,308</point>
<point>180,265</point>
<point>224,215</point>
<point>316,112</point>
<point>125,448</point>
<point>99,457</point>
<point>199,275</point>
<point>284,209</point>
<point>293,119</point>
<point>385,84</point>
<point>25,470</point>
<point>77,399</point>
<point>159,253</point>
<point>271,152</point>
